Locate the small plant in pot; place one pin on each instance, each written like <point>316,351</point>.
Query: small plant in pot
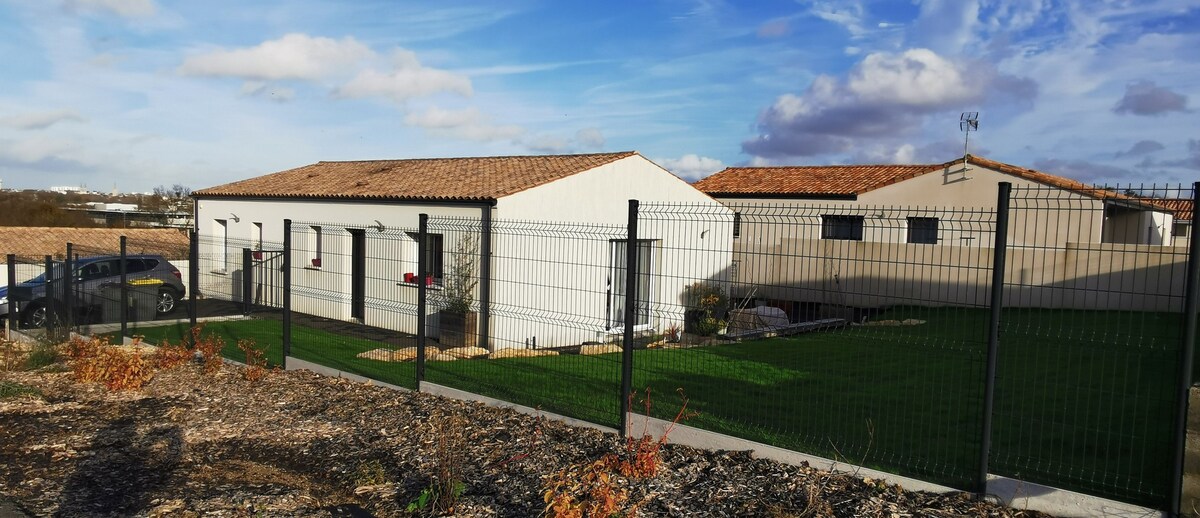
<point>457,323</point>
<point>706,305</point>
<point>672,333</point>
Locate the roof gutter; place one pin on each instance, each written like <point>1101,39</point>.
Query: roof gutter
<point>486,202</point>
<point>782,196</point>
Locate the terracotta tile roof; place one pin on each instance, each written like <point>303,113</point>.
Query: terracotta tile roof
<point>34,243</point>
<point>819,180</point>
<point>854,180</point>
<point>460,179</point>
<point>1181,208</point>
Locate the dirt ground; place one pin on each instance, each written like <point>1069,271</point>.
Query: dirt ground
<point>301,444</point>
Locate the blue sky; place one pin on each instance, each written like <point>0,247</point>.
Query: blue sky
<point>137,93</point>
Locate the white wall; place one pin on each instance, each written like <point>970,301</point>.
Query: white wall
<point>552,282</point>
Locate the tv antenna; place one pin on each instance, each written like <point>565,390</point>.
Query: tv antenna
<point>967,122</point>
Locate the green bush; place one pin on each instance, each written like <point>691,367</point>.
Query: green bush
<point>40,356</point>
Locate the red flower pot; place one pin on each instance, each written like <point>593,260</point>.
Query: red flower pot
<point>316,263</point>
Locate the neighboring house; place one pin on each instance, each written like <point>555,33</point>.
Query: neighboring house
<point>541,290</point>
<point>879,235</point>
<point>32,244</point>
<point>859,197</point>
<point>1181,208</point>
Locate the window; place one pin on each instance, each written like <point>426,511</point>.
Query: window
<point>316,246</point>
<point>737,225</point>
<point>433,253</point>
<point>842,227</point>
<point>221,234</point>
<point>923,230</point>
<point>256,228</point>
<point>616,284</point>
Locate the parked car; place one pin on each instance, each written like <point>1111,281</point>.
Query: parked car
<point>93,277</point>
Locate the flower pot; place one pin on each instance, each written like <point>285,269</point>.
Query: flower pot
<point>458,329</point>
<point>316,263</point>
<point>257,255</point>
<point>410,277</point>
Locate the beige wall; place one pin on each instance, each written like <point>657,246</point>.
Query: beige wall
<point>865,274</point>
<point>964,202</point>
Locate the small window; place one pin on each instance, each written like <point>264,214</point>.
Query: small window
<point>849,228</point>
<point>1180,229</point>
<point>737,225</point>
<point>221,229</point>
<point>923,231</point>
<point>433,253</point>
<point>316,246</point>
<point>257,237</point>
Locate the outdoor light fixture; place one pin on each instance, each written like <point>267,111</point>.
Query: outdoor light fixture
<point>236,219</point>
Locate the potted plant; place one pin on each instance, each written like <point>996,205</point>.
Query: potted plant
<point>316,262</point>
<point>457,323</point>
<point>705,306</point>
<point>671,333</point>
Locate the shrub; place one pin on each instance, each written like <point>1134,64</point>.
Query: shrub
<point>41,355</point>
<point>209,346</point>
<point>706,304</point>
<point>95,361</point>
<point>446,485</point>
<point>602,487</point>
<point>256,361</point>
<point>170,356</point>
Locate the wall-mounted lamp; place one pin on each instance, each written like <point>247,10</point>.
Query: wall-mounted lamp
<point>379,226</point>
<point>236,219</point>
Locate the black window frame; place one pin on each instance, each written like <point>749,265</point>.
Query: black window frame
<point>921,234</point>
<point>843,227</point>
<point>435,258</point>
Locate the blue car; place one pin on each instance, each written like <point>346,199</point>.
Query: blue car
<point>34,303</point>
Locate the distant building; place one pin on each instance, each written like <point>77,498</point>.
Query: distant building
<point>65,189</point>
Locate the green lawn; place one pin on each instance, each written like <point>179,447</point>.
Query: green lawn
<point>1083,399</point>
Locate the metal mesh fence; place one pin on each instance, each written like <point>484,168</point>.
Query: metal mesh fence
<point>354,304</point>
<point>554,303</point>
<point>1090,340</point>
<point>855,333</point>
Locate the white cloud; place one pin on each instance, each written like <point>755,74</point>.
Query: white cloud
<point>293,56</point>
<point>125,8</point>
<point>917,77</point>
<point>40,120</point>
<point>848,15</point>
<point>691,167</point>
<point>549,144</point>
<point>404,83</point>
<point>467,123</point>
<point>884,97</point>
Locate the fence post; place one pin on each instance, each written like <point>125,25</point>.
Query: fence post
<point>422,250</point>
<point>50,296</point>
<point>999,256</point>
<point>193,281</point>
<point>247,282</point>
<point>1187,353</point>
<point>69,290</point>
<point>630,310</point>
<point>287,291</point>
<point>485,277</point>
<point>12,305</point>
<point>124,269</point>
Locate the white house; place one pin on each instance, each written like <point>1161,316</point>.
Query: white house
<point>877,235</point>
<point>550,233</point>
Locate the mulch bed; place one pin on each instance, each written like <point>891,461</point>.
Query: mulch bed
<point>302,444</point>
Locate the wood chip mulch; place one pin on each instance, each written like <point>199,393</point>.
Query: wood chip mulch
<point>302,444</point>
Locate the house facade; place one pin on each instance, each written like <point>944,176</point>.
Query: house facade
<point>545,234</point>
<point>881,235</point>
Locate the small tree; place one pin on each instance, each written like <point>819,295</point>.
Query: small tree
<point>458,286</point>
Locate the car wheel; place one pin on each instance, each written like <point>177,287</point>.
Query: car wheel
<point>166,301</point>
<point>35,316</point>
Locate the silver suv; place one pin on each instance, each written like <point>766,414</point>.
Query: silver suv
<point>93,276</point>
